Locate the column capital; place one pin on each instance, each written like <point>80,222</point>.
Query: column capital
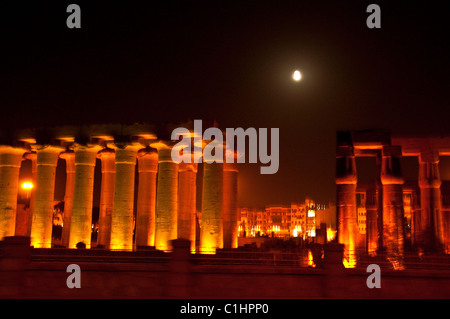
<point>186,167</point>
<point>390,166</point>
<point>125,153</point>
<point>108,158</point>
<point>346,169</point>
<point>164,150</point>
<point>51,148</point>
<point>69,157</point>
<point>12,149</point>
<point>32,156</point>
<point>106,153</point>
<point>429,157</point>
<point>11,156</point>
<point>85,154</point>
<point>48,154</point>
<point>429,175</point>
<point>148,160</point>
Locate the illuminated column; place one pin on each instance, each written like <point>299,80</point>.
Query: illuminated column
<point>211,228</point>
<point>429,224</point>
<point>166,198</point>
<point>146,201</point>
<point>10,162</point>
<point>33,158</point>
<point>122,225</point>
<point>372,220</point>
<point>83,190</point>
<point>392,181</point>
<point>230,209</point>
<point>41,227</point>
<point>187,207</point>
<point>107,157</point>
<point>69,157</point>
<point>346,180</point>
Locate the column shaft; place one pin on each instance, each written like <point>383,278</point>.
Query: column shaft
<point>346,180</point>
<point>122,225</point>
<point>429,224</point>
<point>83,190</point>
<point>108,163</point>
<point>33,158</point>
<point>10,162</point>
<point>230,209</point>
<point>146,201</point>
<point>211,228</point>
<point>166,200</point>
<point>187,204</point>
<point>69,157</point>
<point>372,220</point>
<point>393,232</point>
<point>41,227</point>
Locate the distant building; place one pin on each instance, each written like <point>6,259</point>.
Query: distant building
<point>282,221</point>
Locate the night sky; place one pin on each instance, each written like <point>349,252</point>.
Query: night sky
<point>232,61</point>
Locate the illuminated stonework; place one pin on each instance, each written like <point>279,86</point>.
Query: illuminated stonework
<point>297,220</point>
<point>383,215</point>
<point>211,229</point>
<point>145,213</point>
<point>122,222</point>
<point>81,219</point>
<point>167,198</point>
<point>41,226</point>
<point>10,160</point>
<point>166,205</point>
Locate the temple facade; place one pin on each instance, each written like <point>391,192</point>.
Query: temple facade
<point>390,214</point>
<point>166,195</point>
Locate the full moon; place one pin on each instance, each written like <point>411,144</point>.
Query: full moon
<point>297,76</point>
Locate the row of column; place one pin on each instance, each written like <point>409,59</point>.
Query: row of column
<point>166,197</point>
<point>387,232</point>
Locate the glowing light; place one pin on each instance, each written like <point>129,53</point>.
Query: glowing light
<point>27,185</point>
<point>311,213</point>
<point>349,262</point>
<point>310,259</point>
<point>330,234</point>
<point>297,230</point>
<point>297,76</point>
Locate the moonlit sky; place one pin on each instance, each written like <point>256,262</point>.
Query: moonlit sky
<point>232,61</point>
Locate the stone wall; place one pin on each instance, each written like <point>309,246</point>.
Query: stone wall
<point>176,276</point>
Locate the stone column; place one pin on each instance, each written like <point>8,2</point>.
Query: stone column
<point>122,225</point>
<point>392,181</point>
<point>41,227</point>
<point>83,191</point>
<point>429,226</point>
<point>10,162</point>
<point>346,180</point>
<point>230,209</point>
<point>372,219</point>
<point>107,157</point>
<point>166,198</point>
<point>146,201</point>
<point>69,157</point>
<point>187,203</point>
<point>211,228</point>
<point>33,158</point>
